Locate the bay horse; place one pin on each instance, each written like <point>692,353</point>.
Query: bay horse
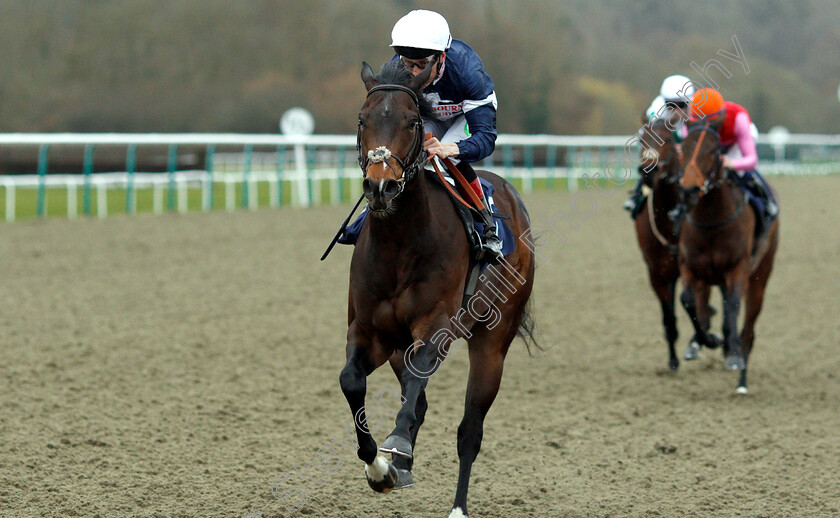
<point>718,247</point>
<point>660,167</point>
<point>407,281</point>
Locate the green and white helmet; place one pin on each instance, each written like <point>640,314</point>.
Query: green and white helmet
<point>655,111</point>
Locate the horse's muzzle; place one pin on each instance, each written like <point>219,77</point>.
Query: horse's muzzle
<point>380,193</point>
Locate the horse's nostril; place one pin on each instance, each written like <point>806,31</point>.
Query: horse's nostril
<point>391,188</point>
<point>367,187</point>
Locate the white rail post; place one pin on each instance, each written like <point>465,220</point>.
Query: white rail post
<point>72,201</point>
<point>302,181</point>
<point>10,201</point>
<point>101,200</point>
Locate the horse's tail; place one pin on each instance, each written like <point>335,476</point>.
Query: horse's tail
<point>527,324</point>
<point>526,330</point>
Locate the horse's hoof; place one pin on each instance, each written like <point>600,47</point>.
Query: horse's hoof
<point>742,391</point>
<point>674,364</point>
<point>735,362</point>
<point>381,475</point>
<point>458,513</point>
<point>404,479</point>
<point>692,352</point>
<point>715,341</point>
<point>396,445</point>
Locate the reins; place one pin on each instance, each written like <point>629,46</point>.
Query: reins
<point>659,237</point>
<point>663,174</point>
<point>708,184</point>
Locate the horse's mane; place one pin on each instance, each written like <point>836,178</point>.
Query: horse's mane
<point>393,72</point>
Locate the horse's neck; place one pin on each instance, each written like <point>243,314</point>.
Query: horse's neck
<point>666,194</point>
<point>720,202</point>
<point>411,219</point>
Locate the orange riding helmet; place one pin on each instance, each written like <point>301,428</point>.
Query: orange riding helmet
<point>706,104</point>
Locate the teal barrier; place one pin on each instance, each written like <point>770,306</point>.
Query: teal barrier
<point>87,170</point>
<point>43,159</point>
<point>536,161</point>
<point>130,166</point>
<point>208,166</point>
<point>171,166</point>
<point>248,151</point>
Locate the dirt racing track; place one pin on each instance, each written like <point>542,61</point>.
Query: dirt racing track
<point>180,366</point>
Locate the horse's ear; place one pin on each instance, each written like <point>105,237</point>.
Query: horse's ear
<point>419,81</point>
<point>644,118</point>
<point>367,76</point>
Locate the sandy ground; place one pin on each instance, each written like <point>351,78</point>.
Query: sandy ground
<point>180,365</point>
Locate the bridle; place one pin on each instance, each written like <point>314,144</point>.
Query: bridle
<point>413,160</point>
<point>718,173</point>
<point>663,165</point>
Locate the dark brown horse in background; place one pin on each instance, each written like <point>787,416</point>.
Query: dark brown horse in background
<point>407,280</point>
<point>660,167</point>
<point>718,248</point>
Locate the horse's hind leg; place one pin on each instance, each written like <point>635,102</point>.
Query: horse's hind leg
<point>486,365</point>
<point>733,290</point>
<point>422,359</point>
<point>362,359</point>
<point>754,301</point>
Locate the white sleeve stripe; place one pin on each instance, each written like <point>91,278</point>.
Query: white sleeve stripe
<point>490,99</point>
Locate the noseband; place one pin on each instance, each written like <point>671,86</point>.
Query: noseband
<point>718,173</point>
<point>413,160</point>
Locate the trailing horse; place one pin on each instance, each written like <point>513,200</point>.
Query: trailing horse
<point>407,284</point>
<point>660,168</point>
<point>718,247</point>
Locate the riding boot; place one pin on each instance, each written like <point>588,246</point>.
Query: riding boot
<point>760,188</point>
<point>491,245</point>
<point>634,202</point>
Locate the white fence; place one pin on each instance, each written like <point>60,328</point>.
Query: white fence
<point>241,170</point>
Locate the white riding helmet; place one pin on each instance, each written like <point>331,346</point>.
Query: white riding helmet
<point>421,29</point>
<point>677,89</point>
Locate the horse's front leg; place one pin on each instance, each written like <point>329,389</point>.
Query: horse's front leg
<point>422,359</point>
<point>362,359</point>
<point>664,289</point>
<point>695,300</point>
